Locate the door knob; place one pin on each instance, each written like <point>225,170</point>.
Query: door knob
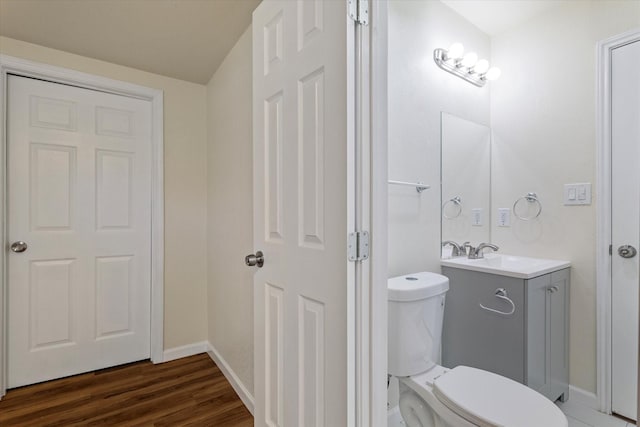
<point>254,259</point>
<point>627,251</point>
<point>19,246</point>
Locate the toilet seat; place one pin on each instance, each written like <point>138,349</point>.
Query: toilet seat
<point>490,400</point>
<point>467,396</point>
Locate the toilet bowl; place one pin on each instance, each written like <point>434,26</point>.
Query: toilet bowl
<point>434,396</point>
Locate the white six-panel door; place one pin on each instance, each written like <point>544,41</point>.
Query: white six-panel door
<point>625,215</point>
<point>79,196</point>
<point>300,212</point>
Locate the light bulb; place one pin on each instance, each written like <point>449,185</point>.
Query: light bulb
<point>455,51</point>
<point>493,73</point>
<point>481,66</point>
<point>469,60</point>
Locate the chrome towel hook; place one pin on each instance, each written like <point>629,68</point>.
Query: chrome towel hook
<point>502,294</point>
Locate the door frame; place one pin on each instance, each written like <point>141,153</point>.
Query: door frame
<point>604,49</point>
<point>372,136</point>
<point>24,68</point>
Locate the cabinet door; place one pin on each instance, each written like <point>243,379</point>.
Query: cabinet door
<point>480,338</point>
<point>547,334</point>
<point>538,349</point>
<point>559,333</point>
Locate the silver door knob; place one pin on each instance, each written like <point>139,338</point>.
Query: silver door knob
<point>627,251</point>
<point>19,246</point>
<point>254,259</point>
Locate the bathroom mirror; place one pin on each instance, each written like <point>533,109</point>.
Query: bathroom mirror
<point>465,181</point>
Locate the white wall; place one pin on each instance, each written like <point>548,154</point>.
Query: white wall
<point>230,210</point>
<point>543,116</point>
<point>184,183</point>
<point>418,92</point>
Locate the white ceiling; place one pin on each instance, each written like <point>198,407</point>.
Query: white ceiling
<point>184,39</point>
<point>496,16</point>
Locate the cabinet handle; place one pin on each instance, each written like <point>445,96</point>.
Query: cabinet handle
<point>552,289</point>
<point>502,294</point>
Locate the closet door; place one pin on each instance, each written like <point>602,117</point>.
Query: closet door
<point>625,211</point>
<point>79,229</point>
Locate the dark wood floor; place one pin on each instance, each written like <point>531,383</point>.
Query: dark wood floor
<point>190,391</point>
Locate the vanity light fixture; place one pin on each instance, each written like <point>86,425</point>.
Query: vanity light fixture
<point>467,67</point>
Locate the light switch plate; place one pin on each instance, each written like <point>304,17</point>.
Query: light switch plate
<point>577,194</point>
<point>504,217</point>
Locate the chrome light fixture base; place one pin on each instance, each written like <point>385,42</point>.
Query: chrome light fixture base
<point>454,67</point>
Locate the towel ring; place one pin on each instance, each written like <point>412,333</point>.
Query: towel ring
<point>502,294</point>
<point>456,201</point>
<point>530,198</point>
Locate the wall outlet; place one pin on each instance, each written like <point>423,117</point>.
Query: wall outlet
<point>476,217</point>
<point>504,217</point>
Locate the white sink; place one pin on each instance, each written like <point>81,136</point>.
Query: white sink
<point>507,265</point>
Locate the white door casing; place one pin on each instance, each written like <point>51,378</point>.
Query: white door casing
<point>301,213</point>
<point>375,40</point>
<point>79,194</point>
<point>20,67</point>
<point>625,214</point>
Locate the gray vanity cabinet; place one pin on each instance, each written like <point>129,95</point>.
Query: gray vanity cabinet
<point>530,346</point>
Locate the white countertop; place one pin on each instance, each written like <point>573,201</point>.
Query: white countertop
<point>507,265</point>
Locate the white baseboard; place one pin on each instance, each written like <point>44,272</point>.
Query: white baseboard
<point>185,351</point>
<point>236,383</point>
<point>583,397</point>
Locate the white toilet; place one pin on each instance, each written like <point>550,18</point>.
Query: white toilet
<point>431,395</point>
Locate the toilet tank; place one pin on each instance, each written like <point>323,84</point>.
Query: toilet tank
<point>416,312</point>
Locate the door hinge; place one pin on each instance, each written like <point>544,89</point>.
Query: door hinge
<point>359,11</point>
<point>358,246</point>
<point>610,249</point>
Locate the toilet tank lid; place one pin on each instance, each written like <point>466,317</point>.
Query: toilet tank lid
<point>417,286</point>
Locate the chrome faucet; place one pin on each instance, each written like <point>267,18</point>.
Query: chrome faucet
<point>468,248</point>
<point>476,253</point>
<point>456,249</point>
